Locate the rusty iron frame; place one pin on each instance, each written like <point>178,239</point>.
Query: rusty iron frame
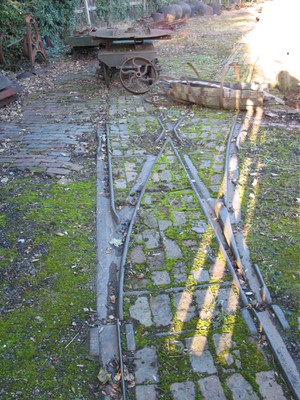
<point>117,48</point>
<point>33,44</point>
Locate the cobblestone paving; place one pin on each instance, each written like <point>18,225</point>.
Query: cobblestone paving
<point>180,304</point>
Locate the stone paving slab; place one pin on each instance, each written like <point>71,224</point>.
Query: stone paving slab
<point>240,388</point>
<point>268,386</point>
<point>146,366</point>
<point>201,358</point>
<point>211,388</point>
<point>184,390</point>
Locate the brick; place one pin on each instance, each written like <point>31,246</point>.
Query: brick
<point>57,171</point>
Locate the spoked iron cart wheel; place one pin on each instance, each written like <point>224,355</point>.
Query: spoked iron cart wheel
<point>138,75</point>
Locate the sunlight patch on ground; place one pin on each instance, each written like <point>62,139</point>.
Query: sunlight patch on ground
<point>273,44</point>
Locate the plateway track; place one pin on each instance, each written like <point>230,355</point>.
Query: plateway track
<point>182,311</point>
<point>191,319</point>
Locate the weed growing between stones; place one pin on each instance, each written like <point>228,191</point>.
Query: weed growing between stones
<point>202,311</point>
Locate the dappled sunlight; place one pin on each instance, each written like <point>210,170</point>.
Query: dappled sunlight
<point>184,307</point>
<point>222,343</point>
<point>212,304</point>
<point>274,44</point>
<point>253,130</point>
<point>204,306</point>
<point>218,268</point>
<point>249,214</point>
<point>252,121</point>
<point>247,120</point>
<point>184,303</point>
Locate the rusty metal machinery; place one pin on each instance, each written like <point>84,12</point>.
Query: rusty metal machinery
<point>33,45</point>
<point>138,75</point>
<point>8,92</point>
<point>131,54</point>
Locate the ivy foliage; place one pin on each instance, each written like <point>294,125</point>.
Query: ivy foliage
<point>56,19</point>
<point>114,11</point>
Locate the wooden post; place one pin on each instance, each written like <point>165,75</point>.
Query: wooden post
<point>87,12</point>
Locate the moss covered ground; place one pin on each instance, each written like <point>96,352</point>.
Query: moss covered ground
<point>270,182</point>
<point>47,267</point>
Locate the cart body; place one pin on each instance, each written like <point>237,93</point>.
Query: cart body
<point>115,55</point>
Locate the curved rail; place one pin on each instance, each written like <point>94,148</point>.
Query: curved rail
<point>226,168</point>
<point>126,243</point>
<point>111,186</point>
<point>175,129</point>
<point>163,130</point>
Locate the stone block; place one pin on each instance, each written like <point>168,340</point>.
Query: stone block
<point>140,311</point>
<point>268,387</point>
<point>146,366</point>
<point>240,388</point>
<point>211,388</point>
<point>200,357</point>
<point>161,309</point>
<point>183,390</point>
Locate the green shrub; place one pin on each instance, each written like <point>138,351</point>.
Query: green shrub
<point>56,19</point>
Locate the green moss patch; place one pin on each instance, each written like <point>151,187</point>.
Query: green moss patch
<point>270,183</point>
<point>47,302</point>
